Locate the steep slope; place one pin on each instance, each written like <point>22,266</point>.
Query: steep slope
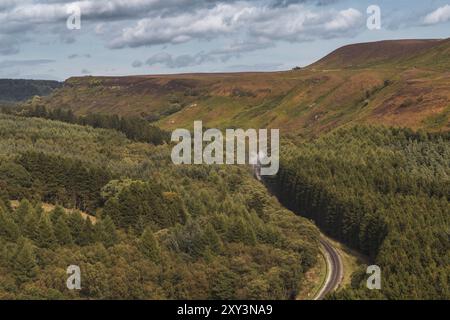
<point>399,83</point>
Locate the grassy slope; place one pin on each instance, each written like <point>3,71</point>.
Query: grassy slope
<point>349,85</point>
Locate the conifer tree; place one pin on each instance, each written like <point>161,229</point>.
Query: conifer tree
<point>22,210</point>
<point>105,231</point>
<point>30,225</point>
<point>148,245</point>
<point>8,228</point>
<point>56,213</point>
<point>62,231</point>
<point>87,235</point>
<point>76,222</point>
<point>46,236</point>
<point>25,266</point>
<point>213,239</point>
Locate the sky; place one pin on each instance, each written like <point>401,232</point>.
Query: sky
<point>40,39</point>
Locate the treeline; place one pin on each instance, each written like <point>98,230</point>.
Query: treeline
<point>160,231</point>
<point>15,90</point>
<point>134,128</point>
<point>384,192</point>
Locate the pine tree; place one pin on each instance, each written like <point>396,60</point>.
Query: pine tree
<point>8,228</point>
<point>76,222</point>
<point>105,232</point>
<point>25,267</point>
<point>56,213</point>
<point>87,235</point>
<point>240,232</point>
<point>62,231</point>
<point>148,245</point>
<point>46,237</point>
<point>30,225</point>
<point>22,210</point>
<point>213,239</point>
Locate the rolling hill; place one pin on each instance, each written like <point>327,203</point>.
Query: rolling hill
<point>370,54</point>
<point>398,83</point>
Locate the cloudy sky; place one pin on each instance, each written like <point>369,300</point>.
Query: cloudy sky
<point>121,37</point>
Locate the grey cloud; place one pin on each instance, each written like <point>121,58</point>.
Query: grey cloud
<point>256,67</point>
<point>9,45</point>
<point>285,3</point>
<point>181,61</point>
<point>235,49</point>
<point>137,64</point>
<point>76,55</point>
<point>85,71</point>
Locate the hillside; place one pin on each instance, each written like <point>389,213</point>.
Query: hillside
<point>166,231</point>
<point>162,231</point>
<point>399,83</point>
<point>370,54</point>
<point>384,192</point>
<point>16,90</point>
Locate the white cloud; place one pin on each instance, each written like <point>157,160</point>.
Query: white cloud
<point>440,15</point>
<point>204,23</point>
<point>344,20</point>
<point>290,23</point>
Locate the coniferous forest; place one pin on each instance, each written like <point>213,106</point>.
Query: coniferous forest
<point>140,227</point>
<point>384,192</point>
<point>136,225</point>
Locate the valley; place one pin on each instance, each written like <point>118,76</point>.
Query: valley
<point>364,159</point>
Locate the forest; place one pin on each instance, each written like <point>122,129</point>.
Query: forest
<point>384,192</point>
<point>138,226</point>
<point>134,128</point>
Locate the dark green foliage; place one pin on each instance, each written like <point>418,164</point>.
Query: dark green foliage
<point>25,266</point>
<point>149,246</point>
<point>224,284</point>
<point>384,192</point>
<point>76,223</point>
<point>15,180</point>
<point>30,225</point>
<point>160,232</point>
<point>87,234</point>
<point>239,231</point>
<point>141,203</point>
<point>22,211</point>
<point>62,231</point>
<point>46,238</point>
<point>20,90</point>
<point>57,213</point>
<point>71,183</point>
<point>134,128</point>
<point>8,228</point>
<point>105,232</point>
